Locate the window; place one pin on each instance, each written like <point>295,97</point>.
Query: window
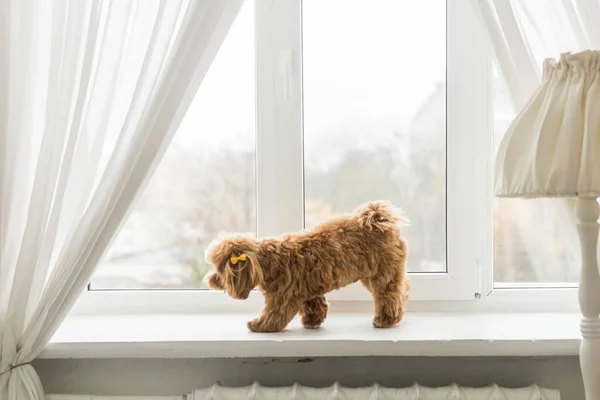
<point>375,125</point>
<point>205,182</point>
<point>300,119</point>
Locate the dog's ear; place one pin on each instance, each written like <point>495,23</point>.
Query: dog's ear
<point>243,274</point>
<point>255,270</point>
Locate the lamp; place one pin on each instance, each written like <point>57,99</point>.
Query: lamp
<point>552,149</point>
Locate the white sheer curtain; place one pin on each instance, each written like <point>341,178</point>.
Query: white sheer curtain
<point>91,92</point>
<point>523,33</point>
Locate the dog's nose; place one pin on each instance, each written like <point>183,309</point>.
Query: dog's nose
<point>244,295</point>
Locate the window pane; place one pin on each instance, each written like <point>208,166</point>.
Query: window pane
<point>204,184</point>
<point>375,114</point>
<point>535,241</point>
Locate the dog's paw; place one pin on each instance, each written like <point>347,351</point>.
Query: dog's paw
<point>312,321</point>
<point>255,325</point>
<point>386,321</point>
<point>311,326</point>
<point>260,325</point>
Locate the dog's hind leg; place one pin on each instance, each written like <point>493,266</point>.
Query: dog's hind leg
<point>389,298</point>
<point>390,286</point>
<point>314,312</point>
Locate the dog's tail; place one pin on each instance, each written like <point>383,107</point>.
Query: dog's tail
<point>379,215</point>
<point>405,290</point>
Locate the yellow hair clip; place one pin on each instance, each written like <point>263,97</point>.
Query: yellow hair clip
<point>234,259</point>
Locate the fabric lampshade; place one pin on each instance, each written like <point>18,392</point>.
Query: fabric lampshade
<point>552,148</point>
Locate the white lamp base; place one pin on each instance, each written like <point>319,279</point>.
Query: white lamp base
<point>588,211</point>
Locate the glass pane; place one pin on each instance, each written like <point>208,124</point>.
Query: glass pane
<point>204,184</point>
<point>375,114</point>
<point>535,241</point>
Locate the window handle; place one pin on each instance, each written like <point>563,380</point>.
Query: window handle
<point>286,72</point>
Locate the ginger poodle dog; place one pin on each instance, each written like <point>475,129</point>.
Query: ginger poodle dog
<point>295,271</point>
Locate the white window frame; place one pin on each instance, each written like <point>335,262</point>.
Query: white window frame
<point>280,191</point>
<point>468,281</point>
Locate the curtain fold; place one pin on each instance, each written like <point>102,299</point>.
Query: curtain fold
<point>91,93</point>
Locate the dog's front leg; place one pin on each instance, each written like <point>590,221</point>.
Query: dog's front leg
<point>314,312</point>
<point>276,315</point>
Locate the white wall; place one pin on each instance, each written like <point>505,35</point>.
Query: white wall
<point>178,376</point>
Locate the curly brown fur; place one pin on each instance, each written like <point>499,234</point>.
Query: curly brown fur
<point>295,271</point>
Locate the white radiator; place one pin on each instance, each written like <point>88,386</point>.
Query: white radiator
<point>375,392</point>
<point>337,392</point>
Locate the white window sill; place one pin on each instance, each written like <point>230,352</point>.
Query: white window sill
<point>343,334</point>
